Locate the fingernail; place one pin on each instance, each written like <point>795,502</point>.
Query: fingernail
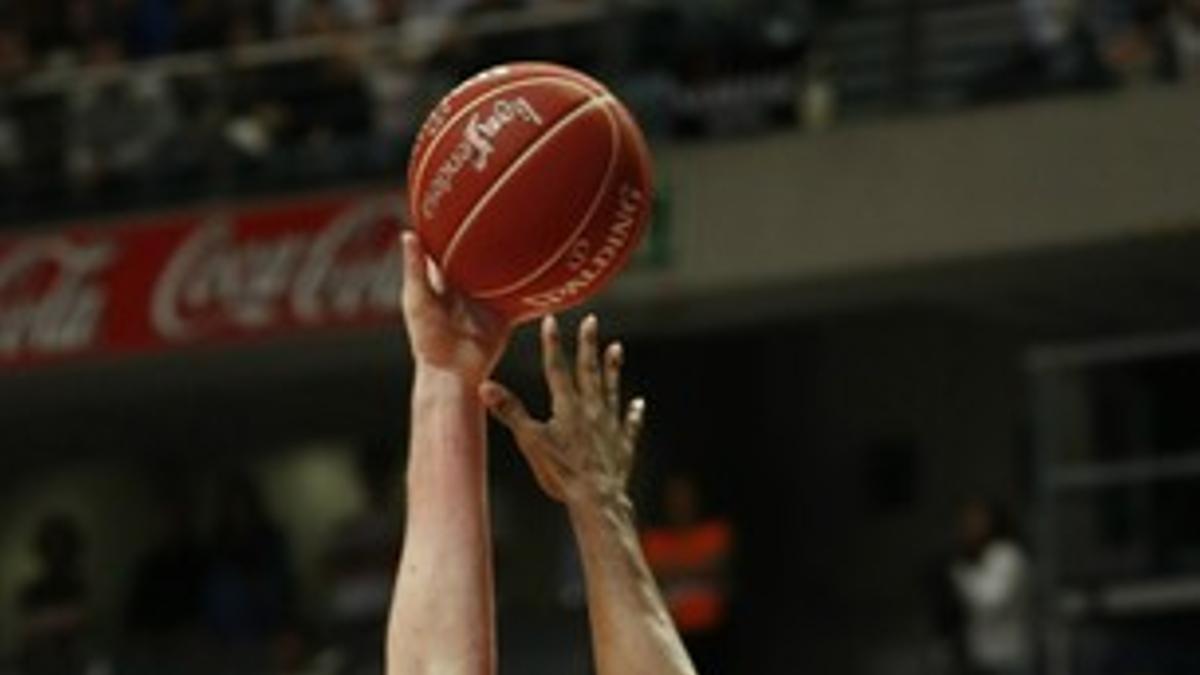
<point>618,352</point>
<point>436,280</point>
<point>550,325</point>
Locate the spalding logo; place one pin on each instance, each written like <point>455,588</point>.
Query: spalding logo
<point>476,147</point>
<point>588,267</point>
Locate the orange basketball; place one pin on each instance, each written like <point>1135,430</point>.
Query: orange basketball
<point>530,186</point>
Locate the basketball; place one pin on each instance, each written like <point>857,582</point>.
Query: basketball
<point>530,186</point>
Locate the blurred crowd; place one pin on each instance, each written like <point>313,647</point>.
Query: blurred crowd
<point>215,590</point>
<point>220,583</point>
<point>64,31</point>
<point>273,95</point>
<point>1097,44</point>
<point>82,126</point>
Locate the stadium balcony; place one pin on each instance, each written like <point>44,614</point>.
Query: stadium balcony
<point>110,136</point>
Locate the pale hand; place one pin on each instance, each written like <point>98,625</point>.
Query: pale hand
<point>586,449</point>
<point>448,332</point>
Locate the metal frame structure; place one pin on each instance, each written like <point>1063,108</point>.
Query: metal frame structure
<point>412,40</point>
<point>1049,370</point>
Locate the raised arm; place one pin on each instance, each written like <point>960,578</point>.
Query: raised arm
<point>582,457</point>
<point>442,619</point>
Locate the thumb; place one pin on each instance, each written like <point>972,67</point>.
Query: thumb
<point>418,289</point>
<point>509,410</point>
<point>505,407</point>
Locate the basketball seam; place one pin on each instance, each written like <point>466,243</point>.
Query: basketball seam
<point>470,219</point>
<point>477,103</point>
<point>570,240</point>
<point>554,70</point>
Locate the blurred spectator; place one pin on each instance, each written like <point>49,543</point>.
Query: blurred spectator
<point>691,556</point>
<point>165,599</point>
<point>1143,49</point>
<point>356,13</point>
<point>149,26</point>
<point>203,24</point>
<point>35,183</point>
<point>447,7</point>
<point>1184,29</point>
<point>54,606</point>
<point>389,11</point>
<point>61,29</point>
<point>118,121</point>
<point>64,29</point>
<point>992,579</point>
<point>1061,50</point>
<point>360,559</point>
<point>39,22</point>
<point>1048,23</point>
<point>251,20</point>
<point>14,61</point>
<point>249,594</point>
<point>258,115</point>
<point>332,111</point>
<point>402,92</point>
<point>737,64</point>
<point>303,118</point>
<point>947,618</point>
<point>395,89</point>
<point>314,17</point>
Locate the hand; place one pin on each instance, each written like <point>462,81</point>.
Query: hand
<point>447,331</point>
<point>586,449</point>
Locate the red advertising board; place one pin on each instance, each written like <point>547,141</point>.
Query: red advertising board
<point>200,277</point>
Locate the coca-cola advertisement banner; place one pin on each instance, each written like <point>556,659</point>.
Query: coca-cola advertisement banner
<point>201,277</point>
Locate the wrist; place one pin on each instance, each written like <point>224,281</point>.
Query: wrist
<point>436,387</point>
<point>589,499</point>
<point>432,377</point>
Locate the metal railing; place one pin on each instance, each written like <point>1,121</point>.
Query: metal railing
<point>314,111</point>
<point>336,108</point>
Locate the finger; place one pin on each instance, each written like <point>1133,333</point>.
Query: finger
<point>506,407</point>
<point>635,420</point>
<point>558,377</point>
<point>509,410</point>
<point>614,357</point>
<point>587,359</point>
<point>435,281</point>
<point>417,291</point>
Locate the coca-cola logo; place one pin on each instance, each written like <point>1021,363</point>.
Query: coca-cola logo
<point>51,297</point>
<point>215,282</point>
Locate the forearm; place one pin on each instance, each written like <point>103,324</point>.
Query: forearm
<point>632,631</point>
<point>442,615</point>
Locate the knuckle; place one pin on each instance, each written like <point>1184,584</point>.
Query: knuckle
<point>593,411</point>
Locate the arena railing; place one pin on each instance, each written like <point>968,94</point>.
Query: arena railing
<point>412,39</point>
<point>224,138</point>
<point>47,181</point>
